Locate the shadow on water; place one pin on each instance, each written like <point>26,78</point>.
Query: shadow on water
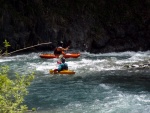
<point>129,81</point>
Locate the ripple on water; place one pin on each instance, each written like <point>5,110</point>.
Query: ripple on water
<point>101,83</point>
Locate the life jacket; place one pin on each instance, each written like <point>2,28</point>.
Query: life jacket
<point>65,66</point>
<point>56,52</point>
<point>62,66</point>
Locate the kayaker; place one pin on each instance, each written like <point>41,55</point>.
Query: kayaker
<point>62,65</point>
<point>59,49</point>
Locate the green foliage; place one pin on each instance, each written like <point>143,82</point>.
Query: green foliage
<point>6,45</point>
<point>12,92</point>
<point>33,109</point>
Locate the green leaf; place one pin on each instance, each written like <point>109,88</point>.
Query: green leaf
<point>13,91</point>
<point>6,43</point>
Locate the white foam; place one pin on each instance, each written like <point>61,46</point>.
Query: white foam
<point>82,64</point>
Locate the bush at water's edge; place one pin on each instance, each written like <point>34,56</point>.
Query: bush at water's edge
<point>13,91</point>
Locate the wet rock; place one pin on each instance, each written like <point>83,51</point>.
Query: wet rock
<point>137,66</point>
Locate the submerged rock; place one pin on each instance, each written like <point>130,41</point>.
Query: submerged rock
<point>137,66</point>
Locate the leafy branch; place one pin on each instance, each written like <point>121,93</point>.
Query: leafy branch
<point>12,92</point>
<point>6,45</point>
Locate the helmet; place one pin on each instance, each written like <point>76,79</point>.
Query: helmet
<point>60,43</point>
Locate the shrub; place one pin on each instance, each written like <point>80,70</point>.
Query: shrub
<point>13,91</point>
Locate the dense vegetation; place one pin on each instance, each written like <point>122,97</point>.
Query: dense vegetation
<point>13,91</point>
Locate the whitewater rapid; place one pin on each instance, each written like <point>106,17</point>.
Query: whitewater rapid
<point>103,83</point>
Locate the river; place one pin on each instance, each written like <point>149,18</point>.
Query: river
<point>102,84</point>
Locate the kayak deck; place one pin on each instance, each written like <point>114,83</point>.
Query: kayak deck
<point>67,55</point>
<point>62,72</point>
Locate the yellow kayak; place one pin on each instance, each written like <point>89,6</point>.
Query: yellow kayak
<point>62,72</point>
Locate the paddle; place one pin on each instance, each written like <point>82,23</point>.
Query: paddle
<point>68,44</point>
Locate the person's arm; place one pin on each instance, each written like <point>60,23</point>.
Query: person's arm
<point>65,49</point>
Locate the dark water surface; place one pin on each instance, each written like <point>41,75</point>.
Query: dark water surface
<point>102,83</point>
